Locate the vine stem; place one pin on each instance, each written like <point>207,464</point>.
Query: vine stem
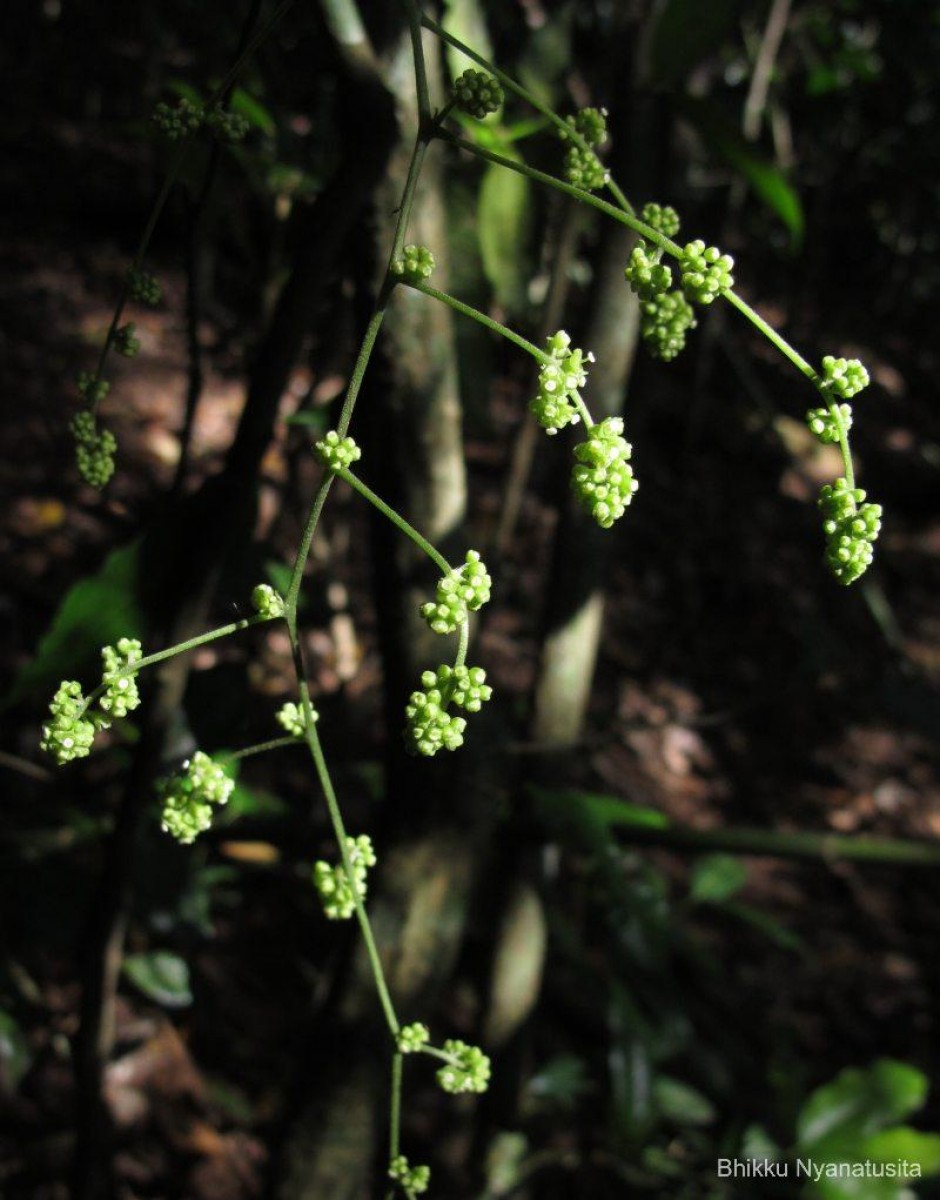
<point>259,748</point>
<point>481,317</point>
<point>396,519</point>
<point>339,831</point>
<point>569,132</point>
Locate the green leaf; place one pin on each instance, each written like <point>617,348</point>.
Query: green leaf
<point>95,612</point>
<point>857,1104</point>
<point>767,925</point>
<point>561,1082</point>
<point>686,32</point>
<point>248,801</point>
<point>15,1056</point>
<point>903,1144</point>
<point>253,111</point>
<point>717,878</point>
<point>316,419</point>
<point>723,138</point>
<point>680,1103</point>
<point>161,976</point>
<point>504,214</point>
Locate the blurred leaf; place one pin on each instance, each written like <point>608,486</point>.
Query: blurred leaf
<point>316,419</point>
<point>858,1103</point>
<point>504,214</point>
<point>595,810</point>
<point>464,20</point>
<point>15,1057</point>
<point>906,1145</point>
<point>680,1103</point>
<point>757,1144</point>
<point>717,878</point>
<point>161,976</point>
<point>767,925</point>
<point>723,138</point>
<point>505,1162</point>
<point>686,32</point>
<point>561,1082</point>
<point>95,612</point>
<point>248,801</point>
<point>253,111</point>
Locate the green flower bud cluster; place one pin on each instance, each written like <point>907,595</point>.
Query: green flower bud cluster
<point>267,602</point>
<point>467,588</point>
<point>584,170</point>
<point>850,526</point>
<point>290,717</point>
<point>337,892</point>
<point>125,342</point>
<point>411,1038</point>
<point>468,1070</point>
<point>664,322</point>
<point>226,126</point>
<point>414,1181</point>
<point>92,389</point>
<point>825,426</point>
<point>430,727</point>
<point>663,218</point>
<point>119,679</point>
<point>337,453</point>
<point>588,123</point>
<point>70,730</point>
<point>94,451</point>
<point>845,376</point>
<point>602,478</point>
<point>554,406</point>
<point>477,94</point>
<point>646,275</point>
<point>189,796</point>
<point>416,263</point>
<point>706,272</point>
<point>143,286</point>
<point>179,120</point>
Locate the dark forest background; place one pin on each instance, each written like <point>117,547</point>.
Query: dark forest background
<point>681,881</point>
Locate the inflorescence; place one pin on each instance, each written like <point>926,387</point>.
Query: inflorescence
<point>555,405</point>
<point>430,727</point>
<point>477,94</point>
<point>191,796</point>
<point>851,526</point>
<point>337,891</point>
<point>602,478</point>
<point>337,453</point>
<point>583,169</point>
<point>465,589</point>
<point>415,265</point>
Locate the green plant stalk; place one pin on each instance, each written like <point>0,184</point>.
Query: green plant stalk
<point>260,748</point>
<point>201,639</point>
<point>339,831</point>
<point>511,85</point>
<point>825,847</point>
<point>394,1126</point>
<point>396,519</point>
<point>670,247</point>
<point>481,318</point>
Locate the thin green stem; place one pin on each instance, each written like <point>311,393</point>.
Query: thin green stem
<point>481,317</point>
<point>569,133</point>
<point>339,832</point>
<point>303,550</point>
<point>463,644</point>
<point>396,519</point>
<point>583,410</point>
<point>360,366</point>
<point>421,74</point>
<point>394,1129</point>
<point>847,464</point>
<point>260,748</point>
